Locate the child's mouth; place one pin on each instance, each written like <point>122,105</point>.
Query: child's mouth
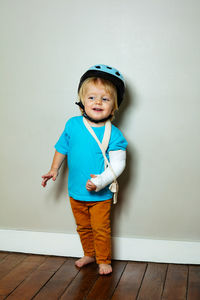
<point>97,109</point>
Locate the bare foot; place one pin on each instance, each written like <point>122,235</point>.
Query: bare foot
<point>84,261</point>
<point>105,269</point>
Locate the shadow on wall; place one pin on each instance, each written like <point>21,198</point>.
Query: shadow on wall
<point>130,173</point>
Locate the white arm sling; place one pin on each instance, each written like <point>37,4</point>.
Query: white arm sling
<point>114,187</point>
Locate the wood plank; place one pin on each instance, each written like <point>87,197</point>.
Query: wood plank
<point>57,285</point>
<point>9,262</point>
<point>176,282</point>
<point>130,281</point>
<point>105,285</point>
<point>3,255</point>
<point>9,282</point>
<point>52,263</point>
<point>194,283</point>
<point>37,279</point>
<point>82,284</point>
<point>153,282</point>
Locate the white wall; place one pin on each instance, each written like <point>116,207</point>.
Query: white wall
<point>45,47</point>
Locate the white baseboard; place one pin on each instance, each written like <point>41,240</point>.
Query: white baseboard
<point>133,249</point>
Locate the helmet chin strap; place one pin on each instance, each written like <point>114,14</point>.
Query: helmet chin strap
<point>96,121</point>
<point>80,104</point>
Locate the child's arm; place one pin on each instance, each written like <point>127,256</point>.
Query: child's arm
<point>118,163</point>
<point>53,173</point>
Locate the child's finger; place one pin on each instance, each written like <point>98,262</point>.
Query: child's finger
<point>47,176</point>
<point>92,176</point>
<point>44,182</point>
<point>90,183</point>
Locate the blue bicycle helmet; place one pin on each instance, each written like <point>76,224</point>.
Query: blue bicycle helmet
<point>108,73</point>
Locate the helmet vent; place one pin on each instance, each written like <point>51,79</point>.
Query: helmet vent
<point>108,67</point>
<point>97,67</point>
<point>117,73</point>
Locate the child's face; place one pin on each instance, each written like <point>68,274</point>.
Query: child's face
<point>98,103</point>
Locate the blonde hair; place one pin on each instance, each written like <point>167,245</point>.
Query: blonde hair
<point>109,87</point>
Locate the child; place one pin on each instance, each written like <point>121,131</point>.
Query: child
<point>101,91</point>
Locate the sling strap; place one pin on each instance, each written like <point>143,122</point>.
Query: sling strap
<point>114,187</point>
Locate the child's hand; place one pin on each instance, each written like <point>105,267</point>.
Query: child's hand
<point>51,174</point>
<point>90,186</point>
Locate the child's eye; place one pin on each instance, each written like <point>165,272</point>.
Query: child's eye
<point>105,99</point>
<point>91,98</point>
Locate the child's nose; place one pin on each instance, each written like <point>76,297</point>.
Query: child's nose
<point>99,100</point>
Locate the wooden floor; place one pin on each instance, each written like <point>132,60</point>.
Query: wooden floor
<point>24,277</point>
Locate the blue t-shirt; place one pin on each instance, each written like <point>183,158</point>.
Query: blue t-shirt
<point>85,157</point>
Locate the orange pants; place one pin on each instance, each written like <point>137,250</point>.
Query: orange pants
<point>93,226</point>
